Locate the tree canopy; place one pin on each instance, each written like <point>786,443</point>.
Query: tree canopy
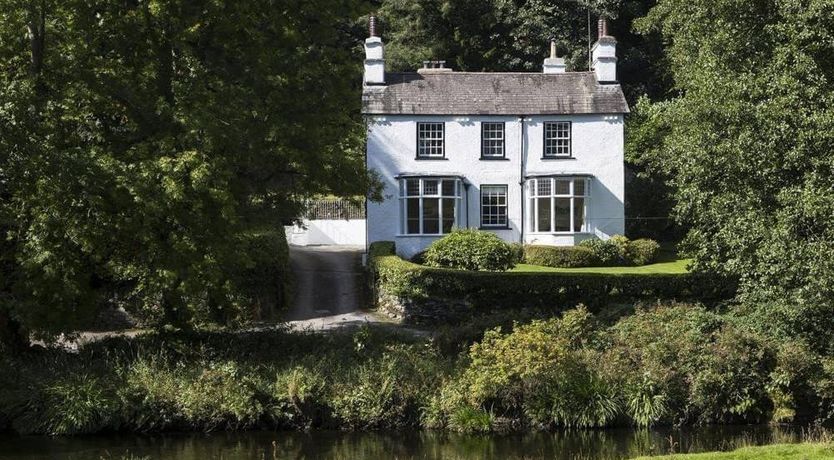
<point>747,149</point>
<point>144,144</point>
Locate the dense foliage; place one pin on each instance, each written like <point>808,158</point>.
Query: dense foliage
<point>418,285</point>
<point>671,364</point>
<point>507,35</point>
<point>471,249</point>
<point>143,143</point>
<point>619,250</point>
<point>746,148</point>
<point>560,256</point>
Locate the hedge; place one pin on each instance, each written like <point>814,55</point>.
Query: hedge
<point>560,256</point>
<point>417,284</point>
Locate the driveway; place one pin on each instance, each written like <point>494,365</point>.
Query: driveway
<point>328,281</point>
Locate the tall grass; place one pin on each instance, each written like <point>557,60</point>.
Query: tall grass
<point>674,365</point>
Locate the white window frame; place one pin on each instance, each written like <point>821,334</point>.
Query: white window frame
<point>426,193</point>
<point>533,194</point>
<point>493,138</point>
<point>430,144</point>
<point>503,192</point>
<point>557,142</point>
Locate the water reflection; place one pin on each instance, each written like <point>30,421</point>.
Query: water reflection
<point>579,444</point>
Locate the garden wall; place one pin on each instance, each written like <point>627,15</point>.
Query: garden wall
<point>419,294</point>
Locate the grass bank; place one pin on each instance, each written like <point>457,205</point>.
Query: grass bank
<point>678,266</point>
<point>805,451</point>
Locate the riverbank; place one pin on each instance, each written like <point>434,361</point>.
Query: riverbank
<point>804,451</point>
<point>665,365</point>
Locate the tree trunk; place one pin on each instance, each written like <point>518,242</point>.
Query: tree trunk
<point>37,35</point>
<point>13,337</point>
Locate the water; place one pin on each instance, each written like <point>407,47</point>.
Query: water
<point>606,444</point>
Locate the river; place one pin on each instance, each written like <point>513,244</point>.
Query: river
<point>608,444</point>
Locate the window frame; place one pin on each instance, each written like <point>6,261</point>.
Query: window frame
<point>421,196</point>
<point>533,195</point>
<point>442,155</point>
<point>506,207</point>
<point>503,140</point>
<point>569,138</point>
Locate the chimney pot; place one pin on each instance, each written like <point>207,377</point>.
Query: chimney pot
<point>602,27</point>
<point>372,26</point>
<point>553,48</point>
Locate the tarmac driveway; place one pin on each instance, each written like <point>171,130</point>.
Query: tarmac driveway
<point>328,281</point>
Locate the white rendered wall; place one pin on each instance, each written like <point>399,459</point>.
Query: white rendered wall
<point>327,231</point>
<point>597,150</point>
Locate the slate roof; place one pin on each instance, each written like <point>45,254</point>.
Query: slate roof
<point>475,93</point>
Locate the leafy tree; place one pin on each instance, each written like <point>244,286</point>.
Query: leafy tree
<point>747,148</point>
<point>147,148</point>
<point>510,35</point>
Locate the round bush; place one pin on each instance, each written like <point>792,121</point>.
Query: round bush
<point>471,250</point>
<point>643,251</point>
<point>606,252</point>
<point>560,256</point>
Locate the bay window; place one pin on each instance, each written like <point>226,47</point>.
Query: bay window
<point>558,204</point>
<point>429,205</point>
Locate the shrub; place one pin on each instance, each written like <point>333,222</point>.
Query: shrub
<point>606,252</point>
<point>386,391</point>
<point>560,256</point>
<point>471,250</point>
<point>643,251</point>
<point>221,396</point>
<point>381,248</point>
<point>298,393</point>
<point>621,243</point>
<point>683,364</point>
<point>619,250</point>
<point>518,252</point>
<point>538,372</point>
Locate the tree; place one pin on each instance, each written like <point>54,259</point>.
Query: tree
<point>511,35</point>
<point>748,150</point>
<point>144,146</point>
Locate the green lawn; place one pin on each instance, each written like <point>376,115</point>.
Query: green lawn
<point>776,451</point>
<point>669,266</point>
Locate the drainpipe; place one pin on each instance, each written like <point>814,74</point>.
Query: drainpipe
<point>521,119</point>
<point>466,185</point>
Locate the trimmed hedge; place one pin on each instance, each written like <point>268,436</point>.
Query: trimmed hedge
<point>560,256</point>
<point>415,284</point>
<point>619,250</point>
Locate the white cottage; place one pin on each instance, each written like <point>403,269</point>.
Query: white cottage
<point>533,157</point>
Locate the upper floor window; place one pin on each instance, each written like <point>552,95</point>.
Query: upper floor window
<point>558,204</point>
<point>557,139</point>
<point>430,140</point>
<point>429,205</point>
<point>492,140</point>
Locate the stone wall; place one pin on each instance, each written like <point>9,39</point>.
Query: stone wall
<point>429,311</point>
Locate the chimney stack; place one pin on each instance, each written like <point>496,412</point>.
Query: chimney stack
<point>553,64</point>
<point>604,54</point>
<point>374,56</point>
